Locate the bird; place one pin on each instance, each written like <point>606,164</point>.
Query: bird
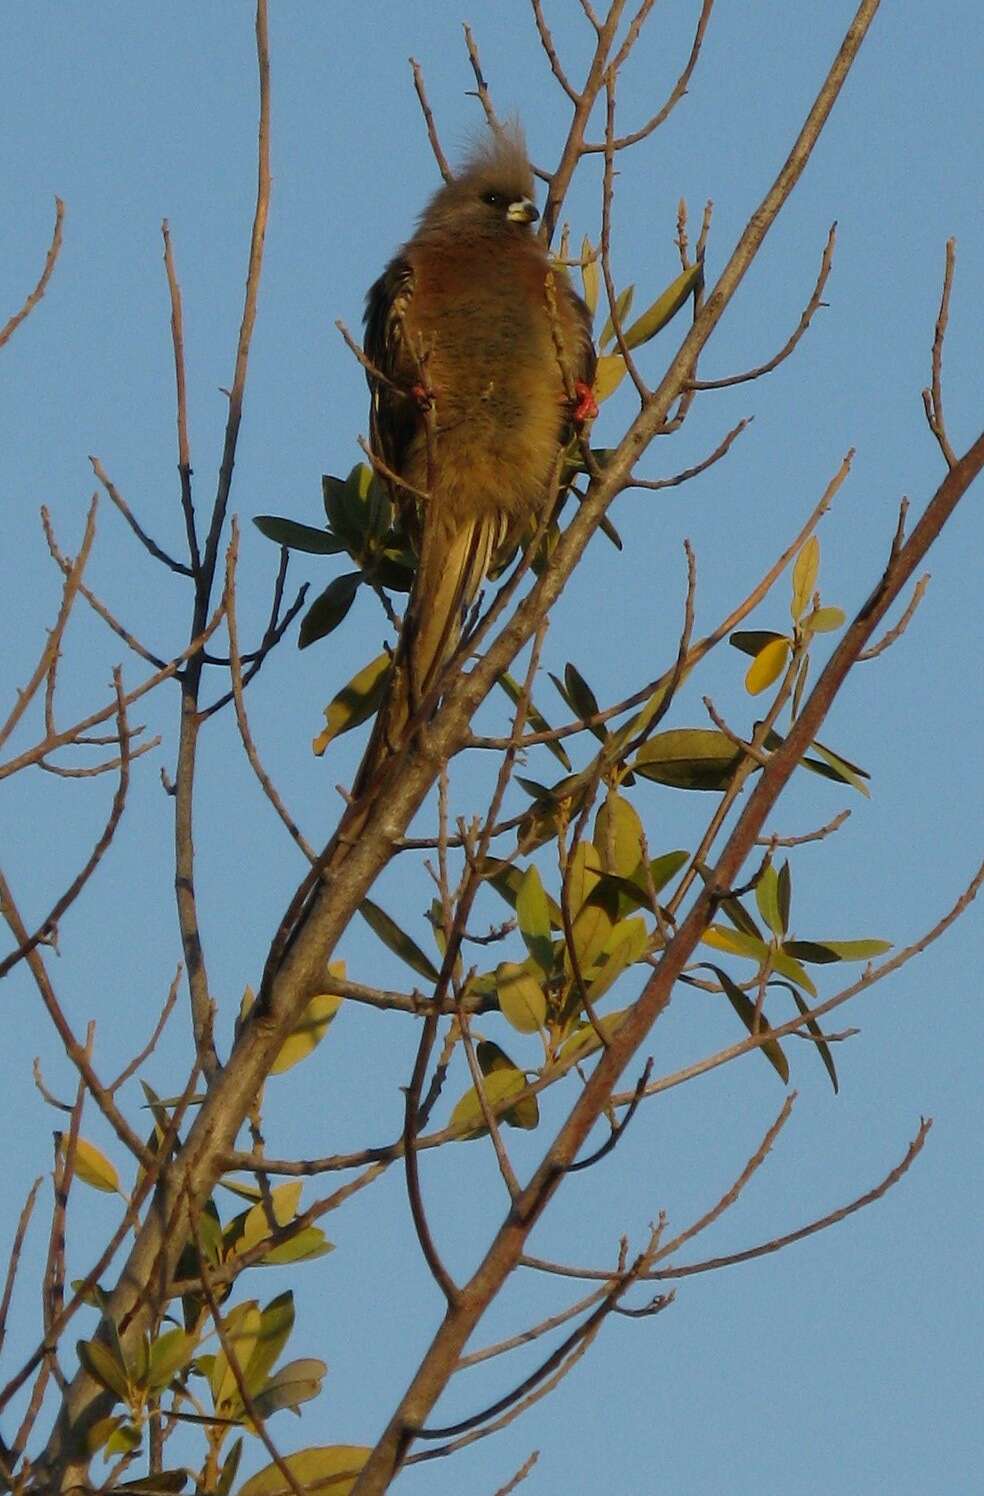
<point>480,361</point>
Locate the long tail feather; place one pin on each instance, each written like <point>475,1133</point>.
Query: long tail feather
<point>450,573</point>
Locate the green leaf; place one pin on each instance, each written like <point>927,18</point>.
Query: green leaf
<point>583,701</point>
<point>736,943</point>
<point>825,620</point>
<point>805,569</point>
<point>506,879</point>
<point>626,944</point>
<point>756,1023</point>
<point>502,1080</point>
<point>533,914</point>
<point>329,609</point>
<point>583,874</point>
<point>830,765</point>
<point>535,719</point>
<point>689,758</point>
<point>837,950</point>
<point>589,275</point>
<point>623,305</point>
<point>308,1243</point>
<point>397,940</point>
<point>785,894</point>
<point>276,1324</point>
<point>665,307</point>
<point>610,370</point>
<point>126,1439</point>
<point>618,835</point>
<point>164,1483</point>
<point>255,1226</point>
<point>230,1469</point>
<point>99,1361</point>
<point>169,1354</point>
<point>316,1470</point>
<point>823,1048</point>
<point>356,702</point>
<point>242,1325</point>
<point>584,1039</point>
<point>521,997</point>
<point>348,507</point>
<point>767,899</point>
<point>293,1384</point>
<point>298,537</point>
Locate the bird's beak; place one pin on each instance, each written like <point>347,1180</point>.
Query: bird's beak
<point>522,211</point>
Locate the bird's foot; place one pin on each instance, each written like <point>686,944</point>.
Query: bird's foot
<point>585,406</point>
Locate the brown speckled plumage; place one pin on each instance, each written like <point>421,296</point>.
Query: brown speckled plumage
<point>475,405</point>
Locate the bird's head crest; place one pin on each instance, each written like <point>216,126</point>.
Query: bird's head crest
<point>491,194</point>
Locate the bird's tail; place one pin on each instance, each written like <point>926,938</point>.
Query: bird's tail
<point>452,567</point>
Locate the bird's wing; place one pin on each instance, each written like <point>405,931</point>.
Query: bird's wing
<point>394,416</point>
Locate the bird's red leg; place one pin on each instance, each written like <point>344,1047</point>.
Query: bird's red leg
<point>585,406</point>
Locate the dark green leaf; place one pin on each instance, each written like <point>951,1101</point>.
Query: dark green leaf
<point>164,1483</point>
<point>689,758</point>
<point>753,641</point>
<point>535,719</point>
<point>583,701</point>
<point>784,892</point>
<point>397,940</point>
<point>298,537</point>
<point>329,609</point>
<point>821,1044</point>
<point>756,1023</point>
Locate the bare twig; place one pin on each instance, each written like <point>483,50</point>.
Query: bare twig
<point>146,541</point>
<point>439,156</point>
<point>815,302</point>
<point>54,249</point>
<point>933,397</point>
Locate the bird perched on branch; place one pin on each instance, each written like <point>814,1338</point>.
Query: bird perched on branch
<point>481,363</point>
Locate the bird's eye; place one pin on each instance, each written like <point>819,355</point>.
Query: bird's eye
<point>494,199</point>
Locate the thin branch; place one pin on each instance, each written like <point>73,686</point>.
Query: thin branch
<point>235,672</point>
<point>807,836</point>
<point>54,249</point>
<point>833,1219</point>
<point>481,87</point>
<point>53,645</point>
<point>67,899</point>
<point>895,633</point>
<point>815,302</point>
<point>146,541</point>
<point>547,42</point>
<point>933,397</point>
<point>701,467</point>
<point>15,1254</point>
<point>65,564</point>
<point>439,156</point>
<point>676,93</point>
<point>181,400</point>
<point>148,1049</point>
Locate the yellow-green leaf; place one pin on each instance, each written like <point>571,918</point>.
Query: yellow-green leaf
<point>521,998</point>
<point>320,1471</point>
<point>623,305</point>
<point>284,1200</point>
<point>94,1168</point>
<point>312,1026</point>
<point>306,1244</point>
<point>626,945</point>
<point>664,308</point>
<point>583,873</point>
<point>825,620</point>
<point>609,373</point>
<point>735,942</point>
<point>590,931</point>
<point>169,1353</point>
<point>618,835</point>
<point>767,899</point>
<point>469,1119</point>
<point>767,666</point>
<point>242,1326</point>
<point>533,915</point>
<point>356,702</point>
<point>805,570</point>
<point>584,1039</point>
<point>589,275</point>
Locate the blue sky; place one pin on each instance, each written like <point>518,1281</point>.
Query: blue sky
<point>851,1362</point>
